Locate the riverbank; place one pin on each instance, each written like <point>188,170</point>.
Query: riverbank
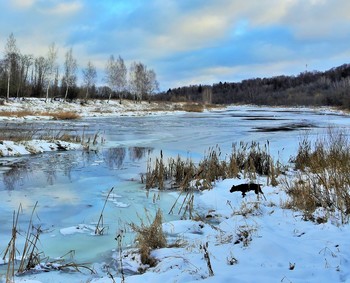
<point>35,109</point>
<point>38,109</point>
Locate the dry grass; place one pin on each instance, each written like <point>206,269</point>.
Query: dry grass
<point>100,227</point>
<point>66,115</point>
<point>17,135</point>
<point>149,237</point>
<point>187,177</point>
<point>62,115</point>
<point>19,114</point>
<point>324,178</point>
<point>249,159</point>
<point>190,107</point>
<point>30,256</point>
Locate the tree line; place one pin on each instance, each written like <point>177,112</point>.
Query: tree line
<point>24,75</point>
<point>309,88</point>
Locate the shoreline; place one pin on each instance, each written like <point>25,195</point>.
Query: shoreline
<point>27,109</point>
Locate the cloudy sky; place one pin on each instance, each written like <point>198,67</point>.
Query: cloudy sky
<point>187,41</point>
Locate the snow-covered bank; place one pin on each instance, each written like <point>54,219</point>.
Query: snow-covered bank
<point>234,239</point>
<point>38,109</point>
<point>11,148</point>
<point>34,108</point>
<point>247,241</point>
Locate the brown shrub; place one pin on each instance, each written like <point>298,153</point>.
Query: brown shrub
<point>190,107</point>
<point>21,113</point>
<point>149,238</point>
<point>324,180</point>
<point>67,115</point>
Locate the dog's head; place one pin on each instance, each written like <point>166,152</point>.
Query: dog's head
<point>233,189</point>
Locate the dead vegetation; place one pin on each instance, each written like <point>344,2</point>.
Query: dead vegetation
<point>175,173</point>
<point>66,115</point>
<point>29,258</point>
<point>190,107</point>
<point>194,107</point>
<point>149,237</point>
<point>60,115</point>
<point>323,181</point>
<point>249,160</point>
<point>100,226</point>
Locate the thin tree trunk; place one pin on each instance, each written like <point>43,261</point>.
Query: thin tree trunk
<point>47,92</point>
<point>8,88</point>
<point>66,94</point>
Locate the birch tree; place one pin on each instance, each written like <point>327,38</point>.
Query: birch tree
<point>89,77</point>
<point>51,67</point>
<point>116,76</point>
<point>11,56</point>
<point>152,84</point>
<point>70,68</point>
<point>142,82</point>
<point>137,80</point>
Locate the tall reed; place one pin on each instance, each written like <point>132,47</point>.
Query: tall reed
<point>324,178</point>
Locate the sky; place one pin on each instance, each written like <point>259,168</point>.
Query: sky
<point>186,42</point>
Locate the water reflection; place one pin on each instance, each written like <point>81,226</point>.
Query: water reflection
<point>114,157</point>
<point>137,152</point>
<point>16,175</point>
<point>52,168</point>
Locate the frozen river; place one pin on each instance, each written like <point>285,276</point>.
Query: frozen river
<point>71,187</point>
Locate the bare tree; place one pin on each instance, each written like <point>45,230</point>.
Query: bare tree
<point>142,82</point>
<point>137,80</point>
<point>89,77</point>
<point>110,75</point>
<point>25,62</point>
<point>51,67</point>
<point>152,84</point>
<point>116,76</point>
<point>11,57</point>
<point>40,68</point>
<point>70,68</point>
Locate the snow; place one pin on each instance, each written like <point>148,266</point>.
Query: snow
<point>10,148</point>
<point>281,246</point>
<point>248,239</point>
<point>81,228</point>
<point>38,109</point>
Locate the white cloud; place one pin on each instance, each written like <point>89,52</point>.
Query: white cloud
<point>64,8</point>
<point>23,3</point>
<point>206,25</point>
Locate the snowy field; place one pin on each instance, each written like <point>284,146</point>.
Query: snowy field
<point>235,239</point>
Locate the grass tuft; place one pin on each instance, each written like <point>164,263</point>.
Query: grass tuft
<point>149,237</point>
<point>323,181</point>
<point>251,159</point>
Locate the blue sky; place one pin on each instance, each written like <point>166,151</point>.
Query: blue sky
<point>187,41</point>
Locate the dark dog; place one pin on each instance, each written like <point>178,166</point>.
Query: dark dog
<point>244,188</point>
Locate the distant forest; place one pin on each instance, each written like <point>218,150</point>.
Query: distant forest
<point>329,88</point>
<point>26,75</point>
